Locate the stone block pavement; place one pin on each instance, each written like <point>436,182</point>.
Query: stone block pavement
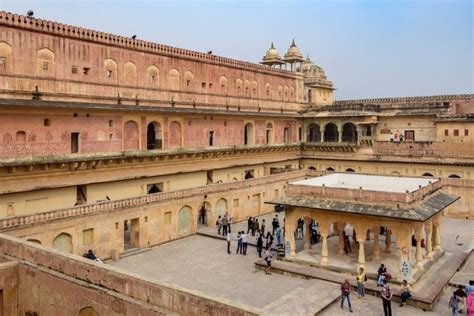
<point>202,264</point>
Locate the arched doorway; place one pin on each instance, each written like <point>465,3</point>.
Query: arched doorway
<point>454,176</point>
<point>220,209</point>
<point>130,138</point>
<point>63,242</point>
<point>88,311</point>
<point>154,136</point>
<point>185,220</point>
<point>248,134</point>
<point>330,133</point>
<point>204,216</point>
<point>349,133</point>
<point>427,174</point>
<point>312,168</point>
<point>350,170</point>
<point>330,169</point>
<point>314,133</point>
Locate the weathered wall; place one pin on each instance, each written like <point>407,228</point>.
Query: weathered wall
<point>9,281</point>
<point>54,283</point>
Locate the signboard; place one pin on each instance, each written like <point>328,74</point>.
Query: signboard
<point>405,269</point>
<point>385,131</point>
<point>287,248</point>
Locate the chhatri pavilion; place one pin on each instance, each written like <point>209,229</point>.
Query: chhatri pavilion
<point>409,209</point>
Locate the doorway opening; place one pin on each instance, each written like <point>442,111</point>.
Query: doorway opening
<point>154,188</point>
<point>74,142</point>
<point>131,233</point>
<point>81,194</point>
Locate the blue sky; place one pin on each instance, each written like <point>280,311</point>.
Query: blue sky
<point>368,48</point>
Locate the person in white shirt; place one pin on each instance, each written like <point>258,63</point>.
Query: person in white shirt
<point>229,238</point>
<point>244,242</point>
<point>268,260</point>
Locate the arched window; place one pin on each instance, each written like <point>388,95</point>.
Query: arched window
<point>175,135</point>
<point>330,169</point>
<point>185,220</point>
<point>47,122</point>
<point>330,133</point>
<point>63,242</point>
<point>312,168</point>
<point>350,170</point>
<point>427,174</point>
<point>154,136</point>
<point>173,79</point>
<point>349,133</point>
<point>313,133</point>
<point>153,79</point>
<point>454,176</point>
<point>131,141</point>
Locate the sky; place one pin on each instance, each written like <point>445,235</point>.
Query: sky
<point>369,49</point>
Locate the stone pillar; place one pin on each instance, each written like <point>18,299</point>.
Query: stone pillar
<point>340,245</point>
<point>388,240</point>
<point>376,245</point>
<point>307,236</point>
<point>324,251</point>
<point>404,244</point>
<point>367,237</point>
<point>290,227</point>
<point>339,133</point>
<point>428,244</point>
<point>437,233</point>
<point>361,253</point>
<point>418,254</point>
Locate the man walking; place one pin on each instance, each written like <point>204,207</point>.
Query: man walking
<point>275,224</point>
<point>225,223</point>
<point>229,238</point>
<point>262,227</point>
<point>278,236</point>
<point>219,225</point>
<point>346,293</point>
<point>239,243</point>
<point>386,293</point>
<point>259,245</point>
<point>249,224</point>
<point>244,242</point>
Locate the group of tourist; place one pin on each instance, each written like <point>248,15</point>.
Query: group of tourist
<point>462,297</point>
<point>223,224</point>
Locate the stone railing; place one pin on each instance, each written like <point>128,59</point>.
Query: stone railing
<point>17,221</point>
<point>419,149</point>
<point>431,98</point>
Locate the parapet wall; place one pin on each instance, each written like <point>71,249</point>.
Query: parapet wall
<point>44,271</point>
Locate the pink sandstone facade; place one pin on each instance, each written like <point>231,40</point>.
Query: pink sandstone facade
<point>100,132</point>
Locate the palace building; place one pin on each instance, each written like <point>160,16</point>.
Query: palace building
<point>113,143</point>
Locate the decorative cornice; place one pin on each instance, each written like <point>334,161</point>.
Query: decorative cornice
<point>435,98</point>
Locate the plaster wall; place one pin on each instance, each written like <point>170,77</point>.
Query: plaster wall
<point>465,132</point>
<point>423,126</point>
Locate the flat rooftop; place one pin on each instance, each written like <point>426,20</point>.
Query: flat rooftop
<point>367,182</point>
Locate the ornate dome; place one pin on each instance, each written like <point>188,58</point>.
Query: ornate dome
<point>293,52</point>
<point>272,53</point>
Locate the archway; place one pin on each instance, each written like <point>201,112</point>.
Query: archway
<point>350,170</point>
<point>454,176</point>
<point>220,209</point>
<point>35,241</point>
<point>185,220</point>
<point>205,216</point>
<point>314,133</point>
<point>248,134</point>
<point>63,242</point>
<point>427,174</point>
<point>154,136</point>
<point>330,133</point>
<point>330,169</point>
<point>88,311</point>
<point>131,136</point>
<point>349,133</point>
<point>312,168</point>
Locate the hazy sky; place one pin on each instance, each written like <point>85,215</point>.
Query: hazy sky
<point>368,48</point>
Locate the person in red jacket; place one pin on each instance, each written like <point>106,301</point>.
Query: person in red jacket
<point>346,293</point>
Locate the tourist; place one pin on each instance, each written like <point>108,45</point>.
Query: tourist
<point>239,243</point>
<point>275,224</point>
<point>225,225</point>
<point>253,226</point>
<point>405,292</point>
<point>90,255</point>
<point>269,240</point>
<point>470,287</point>
<point>278,235</point>
<point>202,215</point>
<point>361,279</point>
<point>259,245</point>
<point>268,260</point>
<point>347,244</point>
<point>346,293</point>
<point>470,299</point>
<point>228,238</point>
<point>244,242</point>
<point>391,137</point>
<point>401,138</point>
<point>230,219</point>
<point>219,225</point>
<point>262,227</point>
<point>256,225</point>
<point>381,274</point>
<point>386,293</point>
<point>249,224</point>
<point>461,294</point>
<point>454,304</point>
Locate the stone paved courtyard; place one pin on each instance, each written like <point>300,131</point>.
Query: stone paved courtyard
<point>201,264</point>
